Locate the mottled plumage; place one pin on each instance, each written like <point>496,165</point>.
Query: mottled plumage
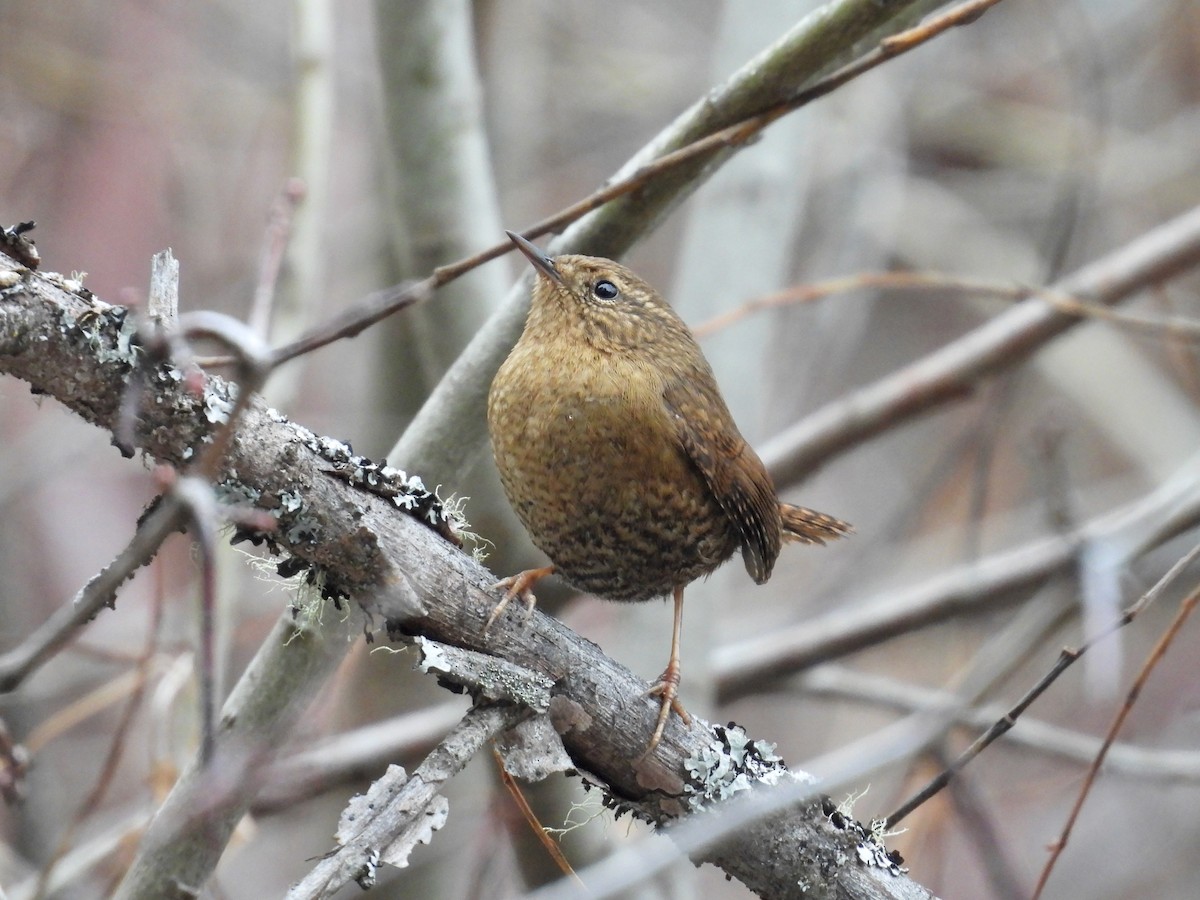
<point>617,451</point>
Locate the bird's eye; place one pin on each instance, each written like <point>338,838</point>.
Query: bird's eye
<point>604,290</point>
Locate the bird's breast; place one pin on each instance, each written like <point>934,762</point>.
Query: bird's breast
<point>589,460</point>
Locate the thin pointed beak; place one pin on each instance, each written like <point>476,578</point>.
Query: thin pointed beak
<point>540,260</point>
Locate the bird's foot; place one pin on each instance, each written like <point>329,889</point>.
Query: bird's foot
<point>519,585</point>
<point>667,690</point>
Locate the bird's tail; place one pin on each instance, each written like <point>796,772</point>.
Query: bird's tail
<point>807,526</point>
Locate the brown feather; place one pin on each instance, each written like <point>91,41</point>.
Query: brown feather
<point>807,526</point>
<point>732,470</point>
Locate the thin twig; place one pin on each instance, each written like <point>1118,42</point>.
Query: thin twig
<point>112,760</point>
<point>1182,328</point>
<point>382,304</point>
<point>1065,659</point>
<point>894,281</point>
<point>1186,608</point>
<point>196,496</point>
<point>951,372</point>
<point>100,591</point>
<point>518,797</point>
<point>254,363</point>
<point>105,695</point>
<point>278,232</point>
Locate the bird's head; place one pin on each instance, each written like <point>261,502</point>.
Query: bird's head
<point>606,303</point>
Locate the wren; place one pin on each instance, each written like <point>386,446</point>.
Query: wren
<point>619,455</point>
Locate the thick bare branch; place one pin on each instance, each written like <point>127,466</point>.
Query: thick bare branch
<point>956,369</point>
<point>987,583</point>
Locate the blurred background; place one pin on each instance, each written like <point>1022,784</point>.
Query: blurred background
<point>1011,151</point>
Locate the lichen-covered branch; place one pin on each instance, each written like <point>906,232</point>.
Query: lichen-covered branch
<point>401,572</point>
<point>400,811</point>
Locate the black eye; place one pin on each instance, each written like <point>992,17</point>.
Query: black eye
<point>604,290</point>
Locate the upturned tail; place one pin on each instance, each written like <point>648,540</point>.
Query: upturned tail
<point>807,526</point>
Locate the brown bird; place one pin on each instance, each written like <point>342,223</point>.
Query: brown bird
<point>619,455</point>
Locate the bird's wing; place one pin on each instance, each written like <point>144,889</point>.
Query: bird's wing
<point>729,466</point>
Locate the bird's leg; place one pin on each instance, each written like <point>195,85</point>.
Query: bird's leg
<point>667,686</point>
<point>519,585</point>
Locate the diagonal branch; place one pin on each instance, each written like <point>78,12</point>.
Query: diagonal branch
<point>952,372</point>
<point>449,429</point>
<point>100,591</point>
<point>396,566</point>
<point>986,583</point>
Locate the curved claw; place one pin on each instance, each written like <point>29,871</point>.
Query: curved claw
<point>519,585</point>
<point>667,688</point>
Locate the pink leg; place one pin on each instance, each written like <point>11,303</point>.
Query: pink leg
<point>667,686</point>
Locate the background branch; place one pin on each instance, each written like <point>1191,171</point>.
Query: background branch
<point>131,126</point>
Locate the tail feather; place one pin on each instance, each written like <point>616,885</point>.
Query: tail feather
<point>807,526</point>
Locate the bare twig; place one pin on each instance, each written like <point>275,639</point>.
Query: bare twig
<point>279,229</point>
<point>254,363</point>
<point>195,495</point>
<point>100,591</point>
<point>892,281</point>
<point>104,696</point>
<point>380,305</point>
<point>1179,328</point>
<point>1186,608</point>
<point>548,843</point>
<point>1183,328</point>
<point>951,372</point>
<point>1064,662</point>
<point>96,796</point>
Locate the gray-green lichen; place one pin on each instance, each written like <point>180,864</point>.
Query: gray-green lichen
<point>106,331</point>
<point>731,763</point>
<point>219,399</point>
